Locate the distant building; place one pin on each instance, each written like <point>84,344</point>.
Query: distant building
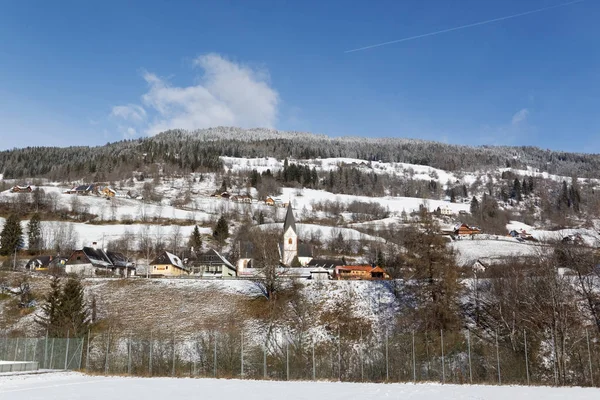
<point>83,190</point>
<point>291,249</point>
<point>319,274</point>
<point>359,272</point>
<point>466,230</point>
<point>21,189</point>
<point>44,263</point>
<point>168,264</point>
<point>213,265</point>
<point>92,261</point>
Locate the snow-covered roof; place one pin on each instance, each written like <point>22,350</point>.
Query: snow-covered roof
<point>176,261</point>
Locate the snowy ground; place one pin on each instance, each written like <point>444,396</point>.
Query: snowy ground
<point>76,386</point>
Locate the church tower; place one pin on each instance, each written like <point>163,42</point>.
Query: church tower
<point>290,238</point>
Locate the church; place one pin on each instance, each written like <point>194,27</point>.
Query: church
<point>291,250</point>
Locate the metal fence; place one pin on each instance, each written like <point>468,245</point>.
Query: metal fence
<point>49,353</point>
<point>447,357</point>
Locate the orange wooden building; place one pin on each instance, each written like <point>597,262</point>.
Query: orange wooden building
<point>359,272</point>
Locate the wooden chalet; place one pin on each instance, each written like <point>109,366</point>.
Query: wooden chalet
<point>21,189</point>
<point>359,272</point>
<point>466,230</point>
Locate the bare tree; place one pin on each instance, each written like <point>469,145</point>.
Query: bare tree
<point>267,261</point>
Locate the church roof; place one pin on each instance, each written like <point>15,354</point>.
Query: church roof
<point>289,219</point>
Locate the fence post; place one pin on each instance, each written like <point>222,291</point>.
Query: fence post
<point>80,347</point>
<point>107,352</point>
<point>215,357</point>
<point>129,356</point>
<point>414,359</point>
<point>587,336</point>
<point>87,352</point>
<point>443,361</point>
<point>387,361</point>
<point>52,354</point>
<point>362,361</point>
<point>526,356</point>
<point>25,349</point>
<point>498,360</point>
<point>67,352</point>
<point>265,360</point>
<point>35,349</point>
<point>242,355</point>
<point>287,361</point>
<point>46,350</point>
<point>314,367</point>
<point>150,356</point>
<point>339,355</point>
<point>16,349</point>
<point>469,349</point>
<point>174,355</point>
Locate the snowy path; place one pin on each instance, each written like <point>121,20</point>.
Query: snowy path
<point>78,386</point>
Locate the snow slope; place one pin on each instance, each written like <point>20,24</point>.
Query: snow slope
<point>78,386</point>
<point>414,171</point>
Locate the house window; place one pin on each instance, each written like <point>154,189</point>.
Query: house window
<point>167,267</point>
<point>155,267</point>
<point>78,258</point>
<point>290,240</point>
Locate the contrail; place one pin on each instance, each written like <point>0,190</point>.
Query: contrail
<point>489,21</point>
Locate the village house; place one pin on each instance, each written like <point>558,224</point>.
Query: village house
<point>329,264</point>
<point>319,274</point>
<point>168,264</point>
<point>83,190</point>
<point>445,211</point>
<point>108,192</point>
<point>211,264</point>
<point>92,261</point>
<point>270,201</point>
<point>21,189</point>
<point>466,230</point>
<point>359,272</point>
<point>44,263</point>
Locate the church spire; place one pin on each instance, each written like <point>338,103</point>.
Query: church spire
<point>289,219</point>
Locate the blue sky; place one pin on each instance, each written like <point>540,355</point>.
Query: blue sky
<point>75,72</point>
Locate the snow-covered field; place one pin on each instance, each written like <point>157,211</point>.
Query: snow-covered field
<point>78,386</point>
<point>470,250</point>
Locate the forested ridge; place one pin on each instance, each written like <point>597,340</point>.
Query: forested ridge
<point>184,151</point>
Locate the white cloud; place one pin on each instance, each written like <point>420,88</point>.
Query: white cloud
<point>130,112</point>
<point>227,94</point>
<point>520,116</point>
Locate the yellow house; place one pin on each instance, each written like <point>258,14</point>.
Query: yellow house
<point>108,192</point>
<point>168,264</point>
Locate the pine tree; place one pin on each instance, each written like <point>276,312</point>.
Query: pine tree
<point>73,309</point>
<point>563,198</point>
<point>196,239</point>
<point>51,319</point>
<point>221,230</point>
<point>474,206</point>
<point>517,191</point>
<point>435,287</point>
<point>12,236</point>
<point>34,234</point>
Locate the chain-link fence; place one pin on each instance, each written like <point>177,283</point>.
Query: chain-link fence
<point>49,353</point>
<point>447,357</point>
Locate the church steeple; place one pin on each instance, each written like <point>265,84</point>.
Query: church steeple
<point>289,219</point>
<point>290,238</point>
